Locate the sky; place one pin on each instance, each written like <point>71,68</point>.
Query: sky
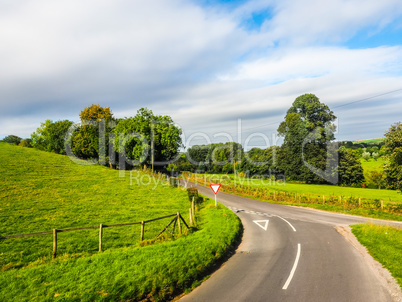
<point>223,70</point>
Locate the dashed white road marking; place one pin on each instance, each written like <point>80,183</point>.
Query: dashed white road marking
<point>236,210</point>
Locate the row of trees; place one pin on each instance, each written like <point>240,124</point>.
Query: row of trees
<point>212,158</point>
<point>367,150</point>
<point>145,138</point>
<point>16,140</point>
<point>308,154</point>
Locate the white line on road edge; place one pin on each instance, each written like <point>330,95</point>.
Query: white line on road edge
<point>293,268</point>
<point>287,222</point>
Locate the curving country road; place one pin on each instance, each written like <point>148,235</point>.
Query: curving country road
<point>291,254</point>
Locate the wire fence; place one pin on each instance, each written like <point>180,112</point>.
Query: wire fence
<point>176,221</point>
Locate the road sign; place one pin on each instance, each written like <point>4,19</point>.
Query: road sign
<point>262,224</point>
<point>215,188</point>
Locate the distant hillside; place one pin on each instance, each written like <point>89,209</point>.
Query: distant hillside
<point>370,141</point>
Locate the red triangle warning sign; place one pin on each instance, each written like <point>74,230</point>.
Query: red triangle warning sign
<point>215,188</point>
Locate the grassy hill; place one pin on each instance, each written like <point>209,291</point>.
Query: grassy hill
<point>369,141</point>
<point>41,191</point>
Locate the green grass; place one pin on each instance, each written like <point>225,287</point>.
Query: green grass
<point>372,165</point>
<point>385,195</point>
<point>40,191</point>
<point>156,272</point>
<point>384,243</point>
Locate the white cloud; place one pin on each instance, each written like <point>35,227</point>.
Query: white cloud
<point>309,21</point>
<point>47,39</point>
<point>70,54</point>
<point>292,63</point>
<point>197,64</point>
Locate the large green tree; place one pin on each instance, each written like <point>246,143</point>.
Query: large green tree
<point>136,138</point>
<point>50,136</point>
<point>91,139</point>
<point>350,168</point>
<point>307,129</point>
<point>393,166</point>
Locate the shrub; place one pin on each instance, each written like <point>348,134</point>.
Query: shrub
<point>12,139</point>
<point>25,143</point>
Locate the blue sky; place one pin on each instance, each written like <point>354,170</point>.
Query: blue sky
<point>221,69</point>
<point>370,37</point>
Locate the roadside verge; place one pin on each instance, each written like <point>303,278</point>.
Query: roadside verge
<point>152,273</point>
<point>383,275</point>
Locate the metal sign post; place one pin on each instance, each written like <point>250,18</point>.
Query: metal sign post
<point>215,188</point>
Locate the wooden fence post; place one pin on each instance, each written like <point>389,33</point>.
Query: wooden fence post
<point>142,230</point>
<point>178,221</point>
<point>193,210</point>
<point>101,226</point>
<point>382,205</point>
<point>274,196</point>
<point>360,202</point>
<point>54,243</point>
<point>323,199</point>
<point>100,237</point>
<point>191,217</point>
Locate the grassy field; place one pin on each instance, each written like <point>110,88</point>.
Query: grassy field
<point>374,203</point>
<point>40,191</point>
<point>384,243</point>
<point>385,195</point>
<point>372,165</point>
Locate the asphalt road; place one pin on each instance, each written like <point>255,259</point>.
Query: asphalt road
<point>290,254</point>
